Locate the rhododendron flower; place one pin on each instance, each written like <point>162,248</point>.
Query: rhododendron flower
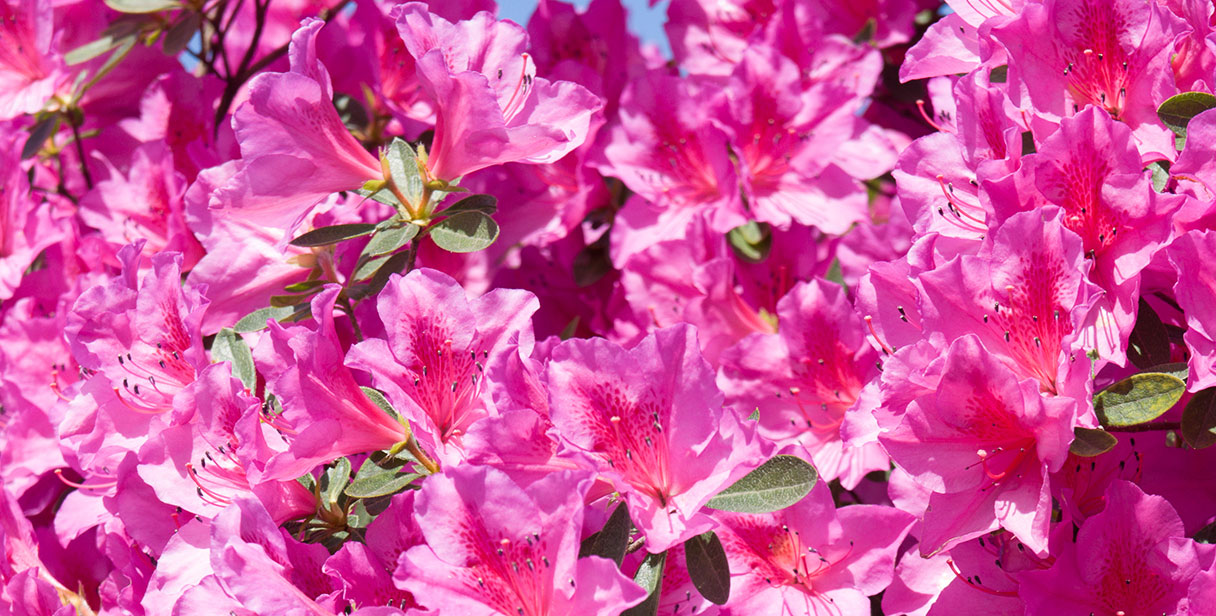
<point>803,379</point>
<point>1131,558</point>
<point>1193,255</point>
<point>26,226</point>
<point>29,73</point>
<point>325,414</point>
<point>496,547</point>
<point>811,558</point>
<point>984,442</point>
<point>437,346</point>
<point>491,108</point>
<point>295,150</point>
<point>652,419</point>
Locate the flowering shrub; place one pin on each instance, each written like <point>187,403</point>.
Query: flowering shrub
<point>847,308</point>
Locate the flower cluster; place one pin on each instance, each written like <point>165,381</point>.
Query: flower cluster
<point>843,308</point>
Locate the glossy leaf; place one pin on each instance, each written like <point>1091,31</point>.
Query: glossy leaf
<point>39,133</point>
<point>1089,442</point>
<point>774,485</point>
<point>1138,399</point>
<point>613,539</point>
<point>707,567</point>
<point>1199,419</point>
<point>324,236</point>
<point>403,169</point>
<point>1161,174</point>
<point>486,204</point>
<point>465,232</point>
<point>1149,344</point>
<point>650,577</point>
<point>230,347</point>
<point>334,481</point>
<point>388,239</point>
<point>1176,112</point>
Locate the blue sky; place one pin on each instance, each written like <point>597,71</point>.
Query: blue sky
<point>644,21</point>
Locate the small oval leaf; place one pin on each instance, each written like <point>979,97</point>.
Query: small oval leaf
<point>1138,399</point>
<point>390,239</point>
<point>1149,343</point>
<point>39,133</point>
<point>379,400</point>
<point>178,37</point>
<point>379,484</point>
<point>142,6</point>
<point>707,566</point>
<point>465,232</point>
<point>333,482</point>
<point>486,204</point>
<point>774,485</point>
<point>650,577</point>
<point>1176,112</point>
<point>1089,442</point>
<point>1199,419</point>
<point>230,347</point>
<point>751,241</point>
<point>613,539</point>
<point>324,236</point>
<point>403,170</point>
<point>256,320</point>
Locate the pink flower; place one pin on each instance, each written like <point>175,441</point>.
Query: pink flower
<point>295,150</point>
<point>652,419</point>
<point>29,73</point>
<point>1113,55</point>
<point>490,106</point>
<point>984,442</point>
<point>325,414</point>
<point>806,377</point>
<point>497,547</point>
<point>1193,254</point>
<point>438,346</point>
<point>1132,558</point>
<point>811,558</point>
<point>26,225</point>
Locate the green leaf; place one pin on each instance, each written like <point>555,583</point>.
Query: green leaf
<point>388,239</point>
<point>403,170</point>
<point>751,241</point>
<point>379,400</point>
<point>1207,534</point>
<point>486,204</point>
<point>394,264</point>
<point>108,40</point>
<point>39,133</point>
<point>707,566</point>
<point>334,480</point>
<point>178,37</point>
<point>1161,174</point>
<point>612,540</point>
<point>1089,443</point>
<point>755,416</point>
<point>1149,343</point>
<point>465,232</point>
<point>999,74</point>
<point>382,476</point>
<point>836,274</point>
<point>306,285</point>
<point>142,6</point>
<point>1199,419</point>
<point>230,347</point>
<point>775,485</point>
<point>1178,369</point>
<point>593,262</point>
<point>1176,112</point>
<point>256,320</point>
<point>1138,399</point>
<point>369,268</point>
<point>324,236</point>
<point>650,577</point>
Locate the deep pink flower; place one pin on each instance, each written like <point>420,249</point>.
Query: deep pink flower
<point>438,345</point>
<point>804,378</point>
<point>295,150</point>
<point>1092,171</point>
<point>652,419</point>
<point>29,73</point>
<point>1193,255</point>
<point>26,225</point>
<point>811,558</point>
<point>325,414</point>
<point>490,106</point>
<point>496,547</point>
<point>984,442</point>
<point>1132,558</point>
<point>1111,54</point>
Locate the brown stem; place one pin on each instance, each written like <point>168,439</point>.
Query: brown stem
<point>84,162</point>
